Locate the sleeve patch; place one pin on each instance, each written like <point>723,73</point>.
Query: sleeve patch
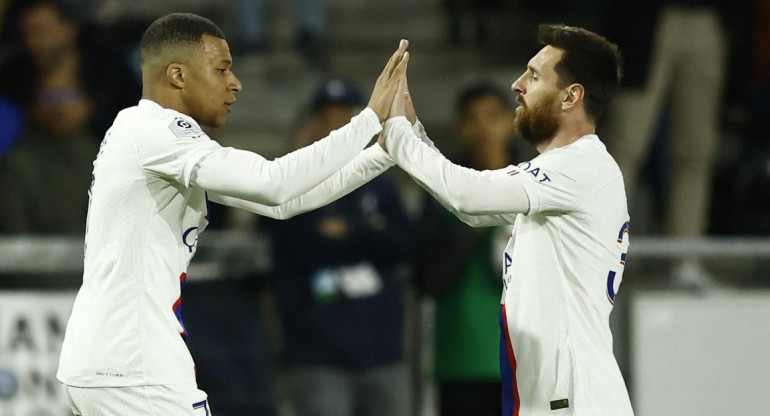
<point>183,128</point>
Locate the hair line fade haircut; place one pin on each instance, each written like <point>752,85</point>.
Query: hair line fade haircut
<point>589,60</point>
<point>175,30</point>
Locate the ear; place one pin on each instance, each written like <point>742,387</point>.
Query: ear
<point>175,75</point>
<point>575,94</point>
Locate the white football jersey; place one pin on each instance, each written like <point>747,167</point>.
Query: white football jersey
<point>143,225</point>
<point>144,218</point>
<point>561,270</point>
<point>562,266</point>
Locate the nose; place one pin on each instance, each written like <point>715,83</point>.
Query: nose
<point>518,86</point>
<point>235,84</point>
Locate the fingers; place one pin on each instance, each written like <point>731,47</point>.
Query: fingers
<point>395,59</point>
<point>400,70</point>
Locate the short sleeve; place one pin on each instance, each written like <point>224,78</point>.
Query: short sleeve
<point>555,184</point>
<point>173,152</point>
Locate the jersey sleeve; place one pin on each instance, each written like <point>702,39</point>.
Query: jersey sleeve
<point>463,191</point>
<point>173,152</point>
<point>555,183</point>
<point>246,175</point>
<point>363,168</point>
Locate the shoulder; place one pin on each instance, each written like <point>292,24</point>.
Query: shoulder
<point>150,120</point>
<point>584,161</point>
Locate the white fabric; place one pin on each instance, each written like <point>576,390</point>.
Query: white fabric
<point>142,230</point>
<point>248,176</point>
<point>363,168</point>
<point>568,238</point>
<point>138,401</point>
<point>556,268</point>
<point>479,198</point>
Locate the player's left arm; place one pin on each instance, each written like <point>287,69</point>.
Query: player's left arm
<point>363,168</point>
<point>470,219</point>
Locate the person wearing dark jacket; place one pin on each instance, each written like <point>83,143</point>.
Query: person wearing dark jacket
<point>336,280</point>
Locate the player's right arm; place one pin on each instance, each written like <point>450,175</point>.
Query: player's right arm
<point>462,191</point>
<point>249,177</point>
<point>470,219</point>
<point>184,154</point>
<point>362,169</point>
<point>478,198</point>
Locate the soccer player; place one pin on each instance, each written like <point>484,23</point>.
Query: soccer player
<point>564,260</point>
<point>156,170</point>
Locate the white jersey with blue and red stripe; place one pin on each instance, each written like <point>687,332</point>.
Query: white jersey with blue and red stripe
<point>562,266</point>
<point>142,229</point>
<point>561,270</point>
<point>148,204</point>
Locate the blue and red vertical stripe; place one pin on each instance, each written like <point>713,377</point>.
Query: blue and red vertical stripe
<point>511,403</point>
<point>178,304</point>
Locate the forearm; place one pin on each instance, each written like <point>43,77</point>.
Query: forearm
<point>471,220</point>
<point>362,169</point>
<point>462,190</point>
<point>247,176</point>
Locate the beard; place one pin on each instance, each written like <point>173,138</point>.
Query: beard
<point>538,124</point>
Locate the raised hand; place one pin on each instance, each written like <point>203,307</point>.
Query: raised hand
<point>388,81</point>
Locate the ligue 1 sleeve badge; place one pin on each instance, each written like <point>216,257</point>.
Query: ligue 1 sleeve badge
<point>183,128</point>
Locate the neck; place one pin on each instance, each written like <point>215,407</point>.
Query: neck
<point>568,133</point>
<point>164,97</point>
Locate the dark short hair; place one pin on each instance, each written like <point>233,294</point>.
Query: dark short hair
<point>176,29</point>
<point>589,60</point>
<point>478,91</point>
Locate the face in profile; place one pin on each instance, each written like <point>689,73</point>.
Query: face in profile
<point>537,117</point>
<point>210,85</point>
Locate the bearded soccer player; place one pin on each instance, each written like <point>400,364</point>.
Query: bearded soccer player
<point>564,261</point>
<point>124,351</point>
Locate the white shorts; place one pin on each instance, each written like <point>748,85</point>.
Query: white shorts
<point>163,400</point>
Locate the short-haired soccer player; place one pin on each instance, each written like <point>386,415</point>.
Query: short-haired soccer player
<point>156,170</point>
<point>563,263</point>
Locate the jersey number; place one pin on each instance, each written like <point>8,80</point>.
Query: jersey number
<point>611,277</point>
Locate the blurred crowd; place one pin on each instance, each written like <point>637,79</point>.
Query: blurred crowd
<point>689,129</point>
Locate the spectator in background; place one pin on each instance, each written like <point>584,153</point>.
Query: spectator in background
<point>55,55</point>
<point>309,19</point>
<point>675,60</point>
<point>459,266</point>
<point>45,178</point>
<point>336,281</point>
